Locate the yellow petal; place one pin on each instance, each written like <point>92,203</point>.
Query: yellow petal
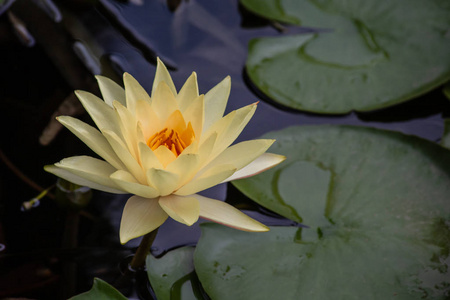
<point>211,177</point>
<point>148,158</point>
<point>89,168</point>
<point>110,90</point>
<point>229,134</point>
<point>182,209</point>
<point>260,164</point>
<point>186,165</point>
<point>194,114</point>
<point>162,75</point>
<point>241,154</point>
<point>206,148</point>
<point>223,213</point>
<point>92,138</point>
<point>219,127</point>
<point>176,122</point>
<point>128,125</point>
<point>188,92</point>
<point>127,182</point>
<point>140,216</point>
<point>216,101</point>
<point>101,113</point>
<point>148,118</point>
<point>163,101</point>
<point>134,92</point>
<point>125,156</point>
<point>165,156</point>
<point>164,181</point>
<point>67,175</point>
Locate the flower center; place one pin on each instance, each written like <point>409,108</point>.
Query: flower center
<point>172,139</point>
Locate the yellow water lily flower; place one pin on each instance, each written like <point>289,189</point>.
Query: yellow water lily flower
<point>164,149</point>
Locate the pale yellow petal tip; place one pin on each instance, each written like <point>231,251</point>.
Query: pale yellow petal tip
<point>255,227</point>
<point>125,238</point>
<point>127,235</point>
<point>100,77</point>
<point>262,228</point>
<point>48,168</point>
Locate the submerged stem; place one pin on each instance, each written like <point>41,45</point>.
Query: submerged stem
<point>138,260</point>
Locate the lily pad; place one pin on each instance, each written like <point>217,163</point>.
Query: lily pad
<point>365,56</point>
<point>171,276</point>
<point>377,206</point>
<point>100,291</point>
<point>445,141</point>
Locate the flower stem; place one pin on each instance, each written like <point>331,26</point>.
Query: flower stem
<point>138,260</point>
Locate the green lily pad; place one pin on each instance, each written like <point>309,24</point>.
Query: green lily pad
<point>171,276</point>
<point>368,55</point>
<point>100,291</point>
<point>378,209</point>
<point>445,141</point>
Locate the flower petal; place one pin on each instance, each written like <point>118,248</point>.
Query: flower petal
<point>164,181</point>
<point>215,102</point>
<point>127,182</point>
<point>211,177</point>
<point>148,118</point>
<point>188,92</point>
<point>148,158</point>
<point>89,168</point>
<point>125,156</point>
<point>101,113</point>
<point>242,154</point>
<point>195,114</point>
<point>229,134</point>
<point>128,126</point>
<point>140,216</point>
<point>92,138</point>
<point>223,213</point>
<point>163,102</point>
<point>162,75</point>
<point>206,148</point>
<point>110,90</point>
<point>182,209</point>
<point>262,163</point>
<point>69,176</point>
<point>134,92</point>
<point>164,155</point>
<point>186,165</point>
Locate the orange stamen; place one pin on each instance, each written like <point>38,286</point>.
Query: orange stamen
<point>171,138</point>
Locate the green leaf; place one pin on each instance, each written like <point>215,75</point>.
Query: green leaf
<point>378,209</point>
<point>367,55</point>
<point>100,291</point>
<point>170,275</point>
<point>445,141</point>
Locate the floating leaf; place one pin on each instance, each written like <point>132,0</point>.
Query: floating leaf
<point>365,56</point>
<point>379,214</point>
<point>170,274</point>
<point>100,291</point>
<point>445,141</point>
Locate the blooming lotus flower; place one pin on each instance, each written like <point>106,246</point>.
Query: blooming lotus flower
<point>165,149</point>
